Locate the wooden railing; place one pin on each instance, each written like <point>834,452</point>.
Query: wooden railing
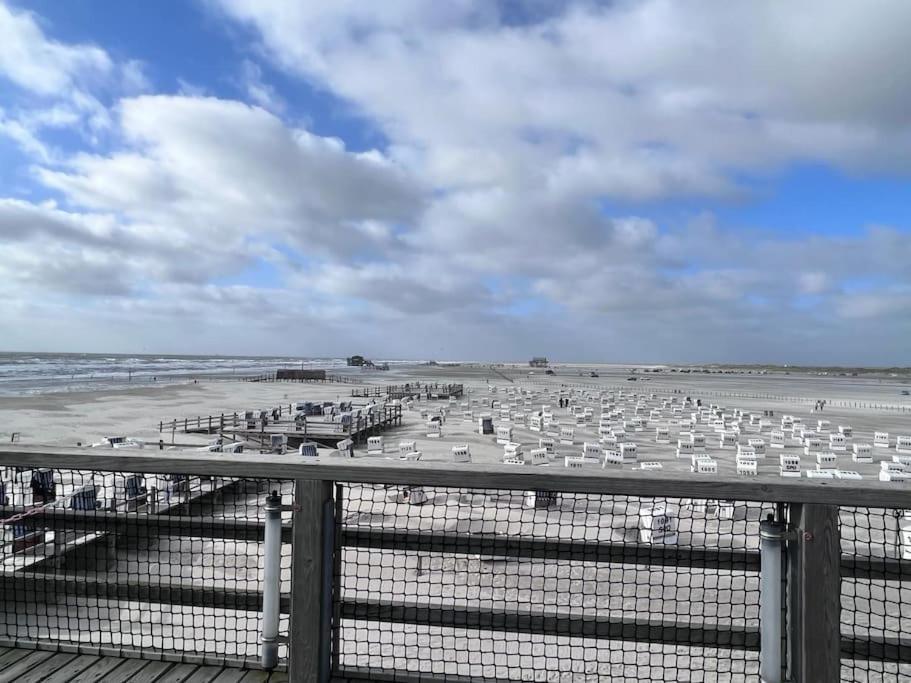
<point>813,560</point>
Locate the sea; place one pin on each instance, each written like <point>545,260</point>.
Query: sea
<point>38,373</point>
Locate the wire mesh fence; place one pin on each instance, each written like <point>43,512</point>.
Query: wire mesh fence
<point>509,585</point>
<point>153,564</point>
<point>453,583</point>
<point>875,594</point>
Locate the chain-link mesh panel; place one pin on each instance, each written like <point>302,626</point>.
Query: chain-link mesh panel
<point>875,595</point>
<point>149,563</point>
<point>491,585</point>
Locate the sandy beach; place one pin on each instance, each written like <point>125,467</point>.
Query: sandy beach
<point>699,596</point>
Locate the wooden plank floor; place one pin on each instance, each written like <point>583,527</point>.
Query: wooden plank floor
<point>41,666</point>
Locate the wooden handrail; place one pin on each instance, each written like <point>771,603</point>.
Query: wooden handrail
<point>869,493</point>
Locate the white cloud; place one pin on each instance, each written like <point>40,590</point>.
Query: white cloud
<point>59,84</point>
<point>519,147</point>
<point>257,90</point>
<point>201,170</point>
<point>43,66</point>
<point>649,98</point>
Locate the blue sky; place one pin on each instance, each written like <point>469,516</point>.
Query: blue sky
<point>591,181</point>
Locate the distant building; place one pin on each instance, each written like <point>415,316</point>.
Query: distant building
<point>538,362</point>
<point>356,361</point>
<point>300,375</point>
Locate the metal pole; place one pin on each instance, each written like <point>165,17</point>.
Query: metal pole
<point>272,550</point>
<point>771,541</point>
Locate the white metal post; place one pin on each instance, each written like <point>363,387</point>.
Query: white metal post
<point>771,537</point>
<point>272,551</point>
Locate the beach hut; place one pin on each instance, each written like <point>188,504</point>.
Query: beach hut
<point>846,431</point>
<point>18,535</point>
<point>812,446</point>
<point>863,452</point>
<point>308,450</point>
<point>461,453</point>
<point>485,424</point>
<point>881,439</point>
<point>776,439</point>
<point>567,436</point>
<point>893,471</point>
<point>411,495</point>
<point>746,452</point>
<point>789,465</point>
<point>650,465</point>
<point>747,467</point>
<point>44,486</point>
<point>628,452</point>
<point>903,444</point>
<point>684,448</point>
<point>727,439</point>
<point>84,498</point>
<point>704,465</point>
<point>848,474</point>
<point>591,451</point>
<point>837,442</point>
<point>512,450</point>
<point>547,444</point>
<point>540,499</point>
<point>114,491</point>
<point>658,523</point>
<point>375,445</point>
<point>504,435</point>
<point>539,456</point>
<point>573,462</point>
<point>345,448</point>
<point>434,430</point>
<point>826,460</point>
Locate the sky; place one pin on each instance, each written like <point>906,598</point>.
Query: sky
<point>630,181</point>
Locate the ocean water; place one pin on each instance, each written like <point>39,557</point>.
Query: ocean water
<point>36,373</point>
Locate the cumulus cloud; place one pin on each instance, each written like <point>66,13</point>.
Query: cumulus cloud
<point>200,172</point>
<point>519,144</point>
<point>648,98</point>
<point>58,84</point>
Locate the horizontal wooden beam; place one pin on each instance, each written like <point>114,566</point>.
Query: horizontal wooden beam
<point>877,648</point>
<point>356,674</point>
<point>144,525</point>
<point>524,547</point>
<point>667,631</point>
<point>123,652</point>
<point>470,475</point>
<point>35,588</point>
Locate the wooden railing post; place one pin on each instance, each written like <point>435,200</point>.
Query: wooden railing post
<point>311,581</point>
<point>814,594</point>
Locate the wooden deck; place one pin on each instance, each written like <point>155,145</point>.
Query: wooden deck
<point>34,666</point>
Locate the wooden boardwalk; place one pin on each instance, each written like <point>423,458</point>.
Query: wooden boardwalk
<point>34,666</point>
